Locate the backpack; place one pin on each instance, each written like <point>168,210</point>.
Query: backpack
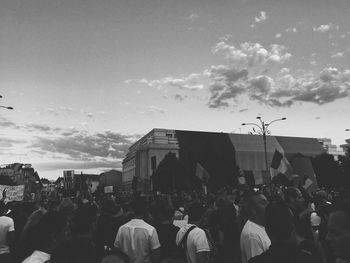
<point>183,245</point>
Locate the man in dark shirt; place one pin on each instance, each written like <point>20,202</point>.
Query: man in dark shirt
<point>167,233</point>
<point>281,231</point>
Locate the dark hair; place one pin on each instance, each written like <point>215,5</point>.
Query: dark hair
<point>83,219</point>
<point>139,205</point>
<point>195,211</point>
<point>117,254</point>
<point>289,193</point>
<point>74,250</point>
<point>343,206</point>
<point>278,222</point>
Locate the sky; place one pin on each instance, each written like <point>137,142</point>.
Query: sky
<point>88,78</point>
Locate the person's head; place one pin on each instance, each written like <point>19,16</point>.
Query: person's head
<point>195,212</point>
<point>294,198</point>
<point>49,231</point>
<point>115,256</point>
<point>255,205</point>
<point>74,250</point>
<point>108,207</point>
<point>339,230</point>
<point>84,220</point>
<point>139,206</point>
<point>279,223</point>
<point>166,213</point>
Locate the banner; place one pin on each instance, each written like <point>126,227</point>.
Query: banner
<point>202,174</point>
<point>280,164</point>
<point>108,189</point>
<point>13,193</point>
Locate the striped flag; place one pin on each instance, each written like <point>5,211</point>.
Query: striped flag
<point>202,174</point>
<point>281,165</point>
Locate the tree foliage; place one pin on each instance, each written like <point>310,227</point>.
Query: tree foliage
<point>328,171</point>
<point>169,175</point>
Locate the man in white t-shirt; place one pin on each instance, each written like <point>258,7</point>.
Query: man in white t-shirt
<point>138,239</point>
<point>197,246</point>
<point>254,240</point>
<point>7,234</point>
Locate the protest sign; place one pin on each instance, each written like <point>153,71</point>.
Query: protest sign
<point>13,192</point>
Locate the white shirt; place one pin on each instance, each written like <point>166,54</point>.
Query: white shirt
<point>254,241</point>
<point>6,225</point>
<point>37,257</point>
<point>196,242</point>
<point>137,238</point>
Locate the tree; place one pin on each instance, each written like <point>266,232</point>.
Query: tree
<point>169,174</point>
<point>328,171</point>
<point>344,162</point>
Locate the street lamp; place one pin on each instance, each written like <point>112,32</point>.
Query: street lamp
<point>263,128</point>
<point>5,107</point>
<point>9,108</point>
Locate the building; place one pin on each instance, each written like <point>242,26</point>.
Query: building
<point>346,146</point>
<point>223,155</point>
<point>331,148</point>
<point>111,178</point>
<point>144,156</point>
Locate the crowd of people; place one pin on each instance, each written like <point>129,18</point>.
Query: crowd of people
<point>255,225</point>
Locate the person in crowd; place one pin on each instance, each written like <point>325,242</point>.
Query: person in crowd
<point>44,236</point>
<point>339,231</point>
<point>108,224</point>
<point>7,233</point>
<point>228,231</point>
<point>192,238</point>
<point>280,228</point>
<point>74,249</point>
<point>138,239</point>
<point>167,232</point>
<point>254,239</point>
<point>115,256</point>
<point>301,212</point>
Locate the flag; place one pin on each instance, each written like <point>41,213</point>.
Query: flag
<point>202,174</point>
<point>281,165</point>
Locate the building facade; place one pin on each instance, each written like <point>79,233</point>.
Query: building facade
<point>223,155</point>
<point>331,148</point>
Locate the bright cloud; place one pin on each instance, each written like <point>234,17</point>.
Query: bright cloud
<point>252,54</point>
<point>323,28</point>
<point>191,82</point>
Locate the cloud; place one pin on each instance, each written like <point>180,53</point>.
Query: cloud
<point>5,123</point>
<point>338,55</point>
<point>191,82</point>
<point>179,97</point>
<point>52,111</point>
<point>155,109</point>
<point>8,142</point>
<point>293,30</point>
<point>193,17</point>
<point>328,86</point>
<point>82,145</point>
<point>252,54</point>
<point>261,18</point>
<point>323,28</point>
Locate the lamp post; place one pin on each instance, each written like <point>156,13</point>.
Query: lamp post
<point>263,129</point>
<point>5,107</point>
<point>9,108</point>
